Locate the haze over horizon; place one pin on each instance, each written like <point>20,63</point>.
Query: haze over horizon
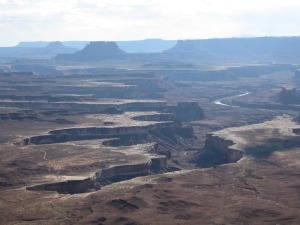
<point>91,20</point>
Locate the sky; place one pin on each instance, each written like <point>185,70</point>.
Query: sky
<point>115,20</point>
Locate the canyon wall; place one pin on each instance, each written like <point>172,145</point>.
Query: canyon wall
<point>104,177</point>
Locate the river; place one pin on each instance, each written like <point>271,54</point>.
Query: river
<point>219,101</point>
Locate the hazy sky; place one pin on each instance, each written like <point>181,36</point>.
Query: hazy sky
<point>31,20</point>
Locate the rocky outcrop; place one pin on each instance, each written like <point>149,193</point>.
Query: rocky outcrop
<point>95,51</point>
<point>218,150</point>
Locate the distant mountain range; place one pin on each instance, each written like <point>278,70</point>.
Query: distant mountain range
<point>147,45</point>
<point>49,51</point>
<point>269,49</point>
<point>41,44</point>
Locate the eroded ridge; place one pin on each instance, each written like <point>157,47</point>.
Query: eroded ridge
<point>150,164</point>
<point>138,159</point>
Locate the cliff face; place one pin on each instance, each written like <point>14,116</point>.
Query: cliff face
<point>96,51</point>
<point>217,150</point>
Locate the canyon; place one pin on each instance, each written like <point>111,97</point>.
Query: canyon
<point>194,134</point>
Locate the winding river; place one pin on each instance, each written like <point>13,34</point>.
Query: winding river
<point>219,101</point>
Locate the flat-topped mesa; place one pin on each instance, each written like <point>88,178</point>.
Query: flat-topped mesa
<point>95,51</point>
<point>217,151</point>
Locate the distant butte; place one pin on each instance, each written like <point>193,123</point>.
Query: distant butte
<point>98,50</point>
